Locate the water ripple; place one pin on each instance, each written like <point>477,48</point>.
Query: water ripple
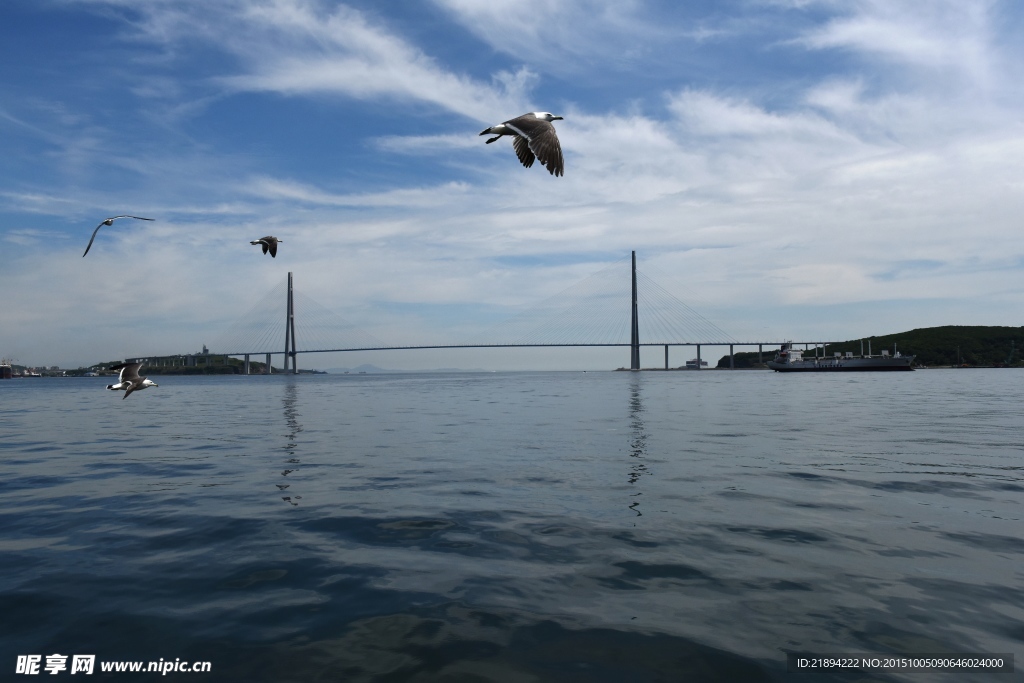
<point>522,526</point>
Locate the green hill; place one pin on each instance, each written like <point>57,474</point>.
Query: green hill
<point>933,346</point>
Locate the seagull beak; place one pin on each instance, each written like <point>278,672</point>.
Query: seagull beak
<point>557,118</point>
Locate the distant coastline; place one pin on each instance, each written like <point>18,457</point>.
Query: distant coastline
<point>948,346</point>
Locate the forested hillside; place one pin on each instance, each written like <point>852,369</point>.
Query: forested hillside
<point>932,346</point>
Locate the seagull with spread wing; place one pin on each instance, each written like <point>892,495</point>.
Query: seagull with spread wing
<point>129,379</point>
<point>533,137</point>
<point>269,244</point>
<point>110,221</point>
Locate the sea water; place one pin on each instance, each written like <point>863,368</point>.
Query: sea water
<point>555,526</point>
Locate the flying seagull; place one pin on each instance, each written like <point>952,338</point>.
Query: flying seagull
<point>129,379</point>
<point>533,136</point>
<point>269,244</point>
<point>109,221</point>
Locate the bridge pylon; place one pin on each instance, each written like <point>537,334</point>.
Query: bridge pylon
<point>634,342</point>
<point>289,332</point>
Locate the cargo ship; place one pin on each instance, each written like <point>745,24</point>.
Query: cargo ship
<point>789,359</point>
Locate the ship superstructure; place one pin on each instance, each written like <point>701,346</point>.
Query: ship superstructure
<point>788,359</point>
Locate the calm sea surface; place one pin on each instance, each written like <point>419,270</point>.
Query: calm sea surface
<point>613,526</point>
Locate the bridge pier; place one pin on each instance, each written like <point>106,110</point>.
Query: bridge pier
<point>732,362</point>
<point>666,356</point>
<point>289,332</point>
<point>634,343</point>
<point>247,364</point>
<point>270,368</point>
<point>760,359</point>
<point>698,356</point>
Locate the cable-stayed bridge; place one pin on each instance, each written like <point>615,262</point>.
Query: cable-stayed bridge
<point>600,311</point>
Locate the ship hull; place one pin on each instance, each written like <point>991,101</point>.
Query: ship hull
<point>846,365</point>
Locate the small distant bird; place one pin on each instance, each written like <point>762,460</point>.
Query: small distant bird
<point>109,221</point>
<point>269,244</point>
<point>129,379</point>
<point>533,136</point>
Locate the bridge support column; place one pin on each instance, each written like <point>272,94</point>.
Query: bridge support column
<point>698,356</point>
<point>666,356</point>
<point>634,343</point>
<point>270,368</point>
<point>289,332</point>
<point>760,358</point>
<point>732,360</point>
<point>247,364</point>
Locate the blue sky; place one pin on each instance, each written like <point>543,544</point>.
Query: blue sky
<point>790,168</point>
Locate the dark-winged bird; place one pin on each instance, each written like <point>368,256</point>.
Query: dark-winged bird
<point>110,221</point>
<point>129,379</point>
<point>533,136</point>
<point>269,244</point>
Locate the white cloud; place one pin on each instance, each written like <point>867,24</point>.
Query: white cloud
<point>709,115</point>
<point>297,47</point>
<point>425,144</point>
<point>419,198</point>
<point>947,35</point>
<point>564,34</point>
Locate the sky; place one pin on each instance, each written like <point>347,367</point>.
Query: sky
<point>791,169</point>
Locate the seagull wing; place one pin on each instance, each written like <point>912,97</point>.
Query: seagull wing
<point>131,387</point>
<point>522,147</point>
<point>263,243</point>
<point>543,141</point>
<point>273,249</point>
<point>93,237</point>
<point>107,221</point>
<point>129,371</point>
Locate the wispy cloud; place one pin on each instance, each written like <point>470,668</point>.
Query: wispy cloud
<point>563,33</point>
<point>426,144</point>
<point>299,47</point>
<point>419,198</point>
<point>946,35</point>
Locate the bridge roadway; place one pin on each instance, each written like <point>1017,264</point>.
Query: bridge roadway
<point>760,349</point>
